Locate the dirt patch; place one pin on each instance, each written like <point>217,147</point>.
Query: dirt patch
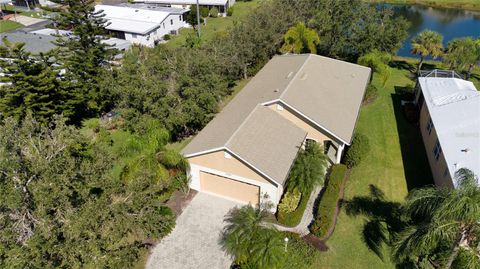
<point>180,200</point>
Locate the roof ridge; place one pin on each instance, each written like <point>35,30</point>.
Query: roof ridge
<point>242,124</point>
<point>294,77</point>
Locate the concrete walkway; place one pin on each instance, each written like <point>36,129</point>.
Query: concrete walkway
<point>194,243</point>
<point>307,218</point>
<point>25,20</point>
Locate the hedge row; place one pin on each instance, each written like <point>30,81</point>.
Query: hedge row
<point>328,202</point>
<point>292,219</point>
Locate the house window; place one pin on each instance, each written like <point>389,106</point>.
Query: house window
<point>227,155</point>
<point>429,125</point>
<point>171,22</point>
<point>279,107</point>
<point>437,150</point>
<point>180,17</point>
<point>163,25</point>
<point>134,35</point>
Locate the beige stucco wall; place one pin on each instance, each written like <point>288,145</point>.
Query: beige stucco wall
<point>216,160</point>
<point>437,166</point>
<point>229,188</point>
<point>313,133</point>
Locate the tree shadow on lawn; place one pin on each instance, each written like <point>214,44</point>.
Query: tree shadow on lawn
<point>384,218</point>
<point>415,162</point>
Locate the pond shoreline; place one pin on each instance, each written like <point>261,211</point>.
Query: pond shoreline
<point>471,5</point>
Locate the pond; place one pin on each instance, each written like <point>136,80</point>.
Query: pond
<point>451,23</point>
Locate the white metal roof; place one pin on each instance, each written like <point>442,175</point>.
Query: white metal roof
<point>184,2</point>
<point>454,107</point>
<point>132,20</point>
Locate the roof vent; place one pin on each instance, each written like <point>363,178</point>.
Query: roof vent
<point>353,75</point>
<point>276,90</point>
<point>290,75</point>
<point>304,76</point>
<point>465,150</point>
<point>136,10</point>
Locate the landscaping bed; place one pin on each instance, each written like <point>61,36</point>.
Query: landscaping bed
<point>292,219</point>
<point>328,202</point>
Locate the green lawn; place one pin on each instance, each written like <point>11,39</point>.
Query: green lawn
<point>215,26</point>
<point>6,26</point>
<point>460,4</point>
<point>395,164</point>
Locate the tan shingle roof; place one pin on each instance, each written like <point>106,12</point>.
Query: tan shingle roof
<point>269,142</point>
<point>326,91</point>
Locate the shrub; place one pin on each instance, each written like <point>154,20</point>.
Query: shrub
<point>292,219</point>
<point>170,158</point>
<point>167,37</point>
<point>328,202</point>
<point>357,151</point>
<point>203,12</point>
<point>371,94</point>
<point>230,11</point>
<point>290,201</point>
<point>214,12</point>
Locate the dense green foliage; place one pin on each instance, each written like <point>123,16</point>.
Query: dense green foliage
<point>31,86</point>
<point>255,244</point>
<point>357,151</point>
<point>328,201</point>
<point>308,170</point>
<point>462,54</point>
<point>63,205</point>
<point>214,12</point>
<point>350,28</point>
<point>378,62</point>
<point>370,94</point>
<point>292,219</point>
<point>444,227</point>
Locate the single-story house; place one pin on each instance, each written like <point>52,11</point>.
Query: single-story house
<point>142,24</point>
<point>221,5</point>
<point>247,150</point>
<point>450,124</point>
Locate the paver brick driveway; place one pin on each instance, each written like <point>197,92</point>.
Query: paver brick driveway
<point>194,241</point>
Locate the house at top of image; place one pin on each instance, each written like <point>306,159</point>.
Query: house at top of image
<point>450,124</point>
<point>247,150</point>
<point>221,5</point>
<point>142,24</point>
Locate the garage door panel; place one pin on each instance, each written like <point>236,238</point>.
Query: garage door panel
<point>229,188</point>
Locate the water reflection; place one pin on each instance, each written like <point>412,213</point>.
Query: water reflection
<point>451,23</point>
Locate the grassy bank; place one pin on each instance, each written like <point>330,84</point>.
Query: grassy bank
<point>460,4</point>
<point>396,163</point>
<point>6,26</point>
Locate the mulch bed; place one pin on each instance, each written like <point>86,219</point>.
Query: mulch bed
<point>315,242</point>
<point>179,201</point>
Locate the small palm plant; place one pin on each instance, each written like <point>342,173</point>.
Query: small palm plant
<point>445,225</point>
<point>301,39</point>
<point>308,169</point>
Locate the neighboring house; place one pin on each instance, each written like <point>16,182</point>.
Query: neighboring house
<point>450,125</point>
<point>142,24</point>
<point>221,5</point>
<point>247,150</point>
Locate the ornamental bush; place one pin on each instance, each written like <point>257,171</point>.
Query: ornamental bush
<point>357,151</point>
<point>290,201</point>
<point>328,202</point>
<point>230,11</point>
<point>214,12</point>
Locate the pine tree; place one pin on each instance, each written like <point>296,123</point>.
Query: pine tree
<point>31,84</point>
<point>84,55</point>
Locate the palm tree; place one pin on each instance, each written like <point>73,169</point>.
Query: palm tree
<point>301,39</point>
<point>308,169</point>
<point>268,249</point>
<point>463,53</point>
<point>378,62</point>
<point>427,43</point>
<point>445,225</point>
